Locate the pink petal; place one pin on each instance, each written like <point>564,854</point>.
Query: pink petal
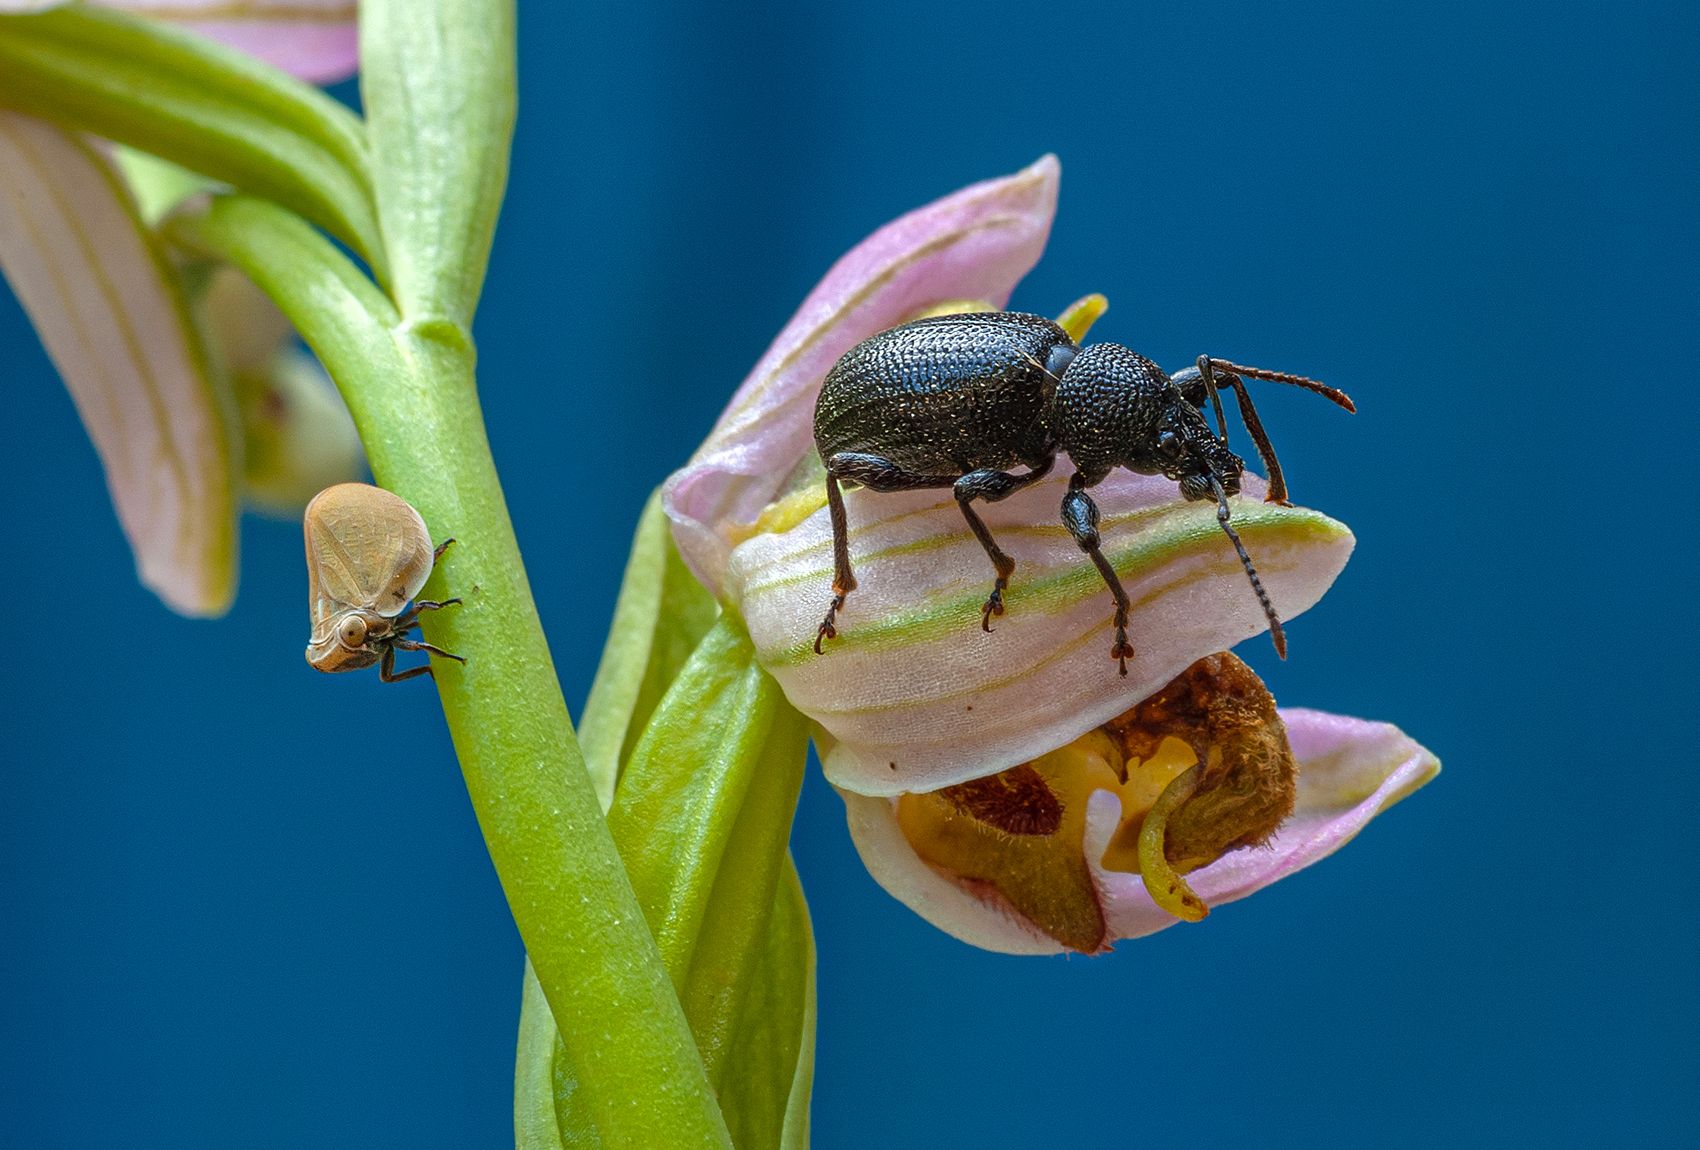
<point>315,40</point>
<point>1350,770</point>
<point>917,696</point>
<point>974,244</point>
<point>108,310</point>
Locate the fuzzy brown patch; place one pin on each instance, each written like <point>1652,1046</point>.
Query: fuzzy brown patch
<point>1015,801</point>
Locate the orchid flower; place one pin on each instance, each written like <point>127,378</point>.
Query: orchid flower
<point>1007,785</point>
<point>143,363</point>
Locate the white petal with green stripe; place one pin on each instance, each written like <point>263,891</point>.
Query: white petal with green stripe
<point>108,308</point>
<point>915,696</point>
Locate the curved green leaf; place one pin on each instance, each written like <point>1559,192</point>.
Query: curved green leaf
<point>702,817</point>
<point>537,1125</point>
<point>198,104</point>
<point>766,1094</point>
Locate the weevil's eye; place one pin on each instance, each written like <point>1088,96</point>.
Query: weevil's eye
<point>352,633</point>
<point>1168,444</point>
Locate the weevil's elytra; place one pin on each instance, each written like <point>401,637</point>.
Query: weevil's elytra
<point>960,401</point>
<point>368,554</point>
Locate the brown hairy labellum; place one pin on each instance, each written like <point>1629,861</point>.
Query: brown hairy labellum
<point>1200,768</point>
<point>1222,711</point>
<point>1015,801</point>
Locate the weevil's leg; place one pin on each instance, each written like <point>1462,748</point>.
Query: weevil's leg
<point>388,673</point>
<point>992,485</point>
<point>877,474</point>
<point>1080,516</point>
<point>421,645</point>
<point>438,553</point>
<point>843,579</point>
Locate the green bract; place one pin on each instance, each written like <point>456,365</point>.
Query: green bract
<point>185,99</point>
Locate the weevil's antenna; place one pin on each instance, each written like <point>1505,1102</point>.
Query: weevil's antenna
<point>1215,398</point>
<point>1332,394</point>
<point>1231,373</point>
<point>1275,632</point>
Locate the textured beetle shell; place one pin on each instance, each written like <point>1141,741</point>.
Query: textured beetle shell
<point>367,549</point>
<point>1108,401</point>
<point>945,395</point>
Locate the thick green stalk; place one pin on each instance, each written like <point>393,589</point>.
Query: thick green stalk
<point>411,392</point>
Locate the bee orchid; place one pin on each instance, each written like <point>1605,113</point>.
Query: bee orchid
<point>1008,784</point>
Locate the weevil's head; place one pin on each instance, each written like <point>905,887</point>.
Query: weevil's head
<point>349,640</point>
<point>1186,450</point>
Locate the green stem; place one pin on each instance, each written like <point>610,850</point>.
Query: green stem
<point>411,391</point>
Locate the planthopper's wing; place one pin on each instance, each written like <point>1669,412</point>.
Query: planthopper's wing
<point>366,548</point>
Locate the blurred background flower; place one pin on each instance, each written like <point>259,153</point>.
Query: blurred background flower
<point>185,378</point>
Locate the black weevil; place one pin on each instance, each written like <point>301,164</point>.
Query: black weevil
<point>956,400</point>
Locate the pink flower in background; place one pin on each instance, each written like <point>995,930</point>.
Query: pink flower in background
<point>109,306</point>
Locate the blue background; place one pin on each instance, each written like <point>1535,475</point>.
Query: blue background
<point>244,904</point>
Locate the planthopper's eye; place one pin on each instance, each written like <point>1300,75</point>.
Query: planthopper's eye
<point>352,633</point>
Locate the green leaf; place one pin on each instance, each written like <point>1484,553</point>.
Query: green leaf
<point>438,81</point>
<point>661,615</point>
<point>540,1077</point>
<point>188,100</point>
<point>765,1095</point>
<point>765,1081</point>
<point>702,818</point>
<point>723,723</point>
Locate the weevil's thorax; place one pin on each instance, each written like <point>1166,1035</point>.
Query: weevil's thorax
<point>1107,407</point>
<point>947,394</point>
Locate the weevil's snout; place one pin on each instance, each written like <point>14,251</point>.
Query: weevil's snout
<point>1206,461</point>
<point>1190,453</point>
<point>1227,471</point>
<point>1197,487</point>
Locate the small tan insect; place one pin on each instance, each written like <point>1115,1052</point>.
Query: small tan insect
<point>368,553</point>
